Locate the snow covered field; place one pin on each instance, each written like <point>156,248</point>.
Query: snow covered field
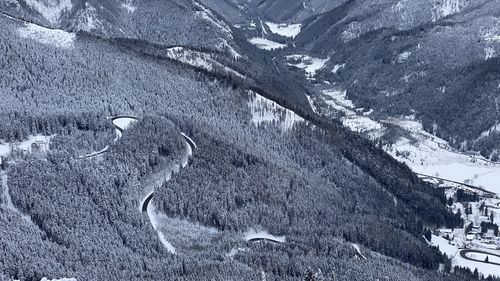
<point>285,29</point>
<point>266,44</point>
<point>42,143</point>
<point>423,152</point>
<point>337,100</point>
<point>309,64</point>
<point>54,37</point>
<point>433,156</point>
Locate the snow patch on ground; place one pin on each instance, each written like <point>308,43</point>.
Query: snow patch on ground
<point>352,31</point>
<point>262,234</point>
<point>311,103</point>
<point>337,67</point>
<point>309,64</point>
<point>489,53</point>
<point>358,249</point>
<point>55,37</point>
<point>87,19</point>
<point>62,279</point>
<point>267,111</point>
<point>492,37</point>
<point>190,57</point>
<point>266,44</point>
<point>403,56</point>
<point>444,246</point>
<point>129,6</point>
<point>285,29</point>
<point>199,60</point>
<point>40,142</point>
<point>444,8</point>
<point>51,10</point>
<point>337,99</point>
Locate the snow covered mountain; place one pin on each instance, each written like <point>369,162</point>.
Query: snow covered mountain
<point>284,11</point>
<point>177,23</point>
<point>433,59</point>
<point>240,140</point>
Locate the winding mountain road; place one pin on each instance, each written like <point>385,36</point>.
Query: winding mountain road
<point>120,127</point>
<point>146,201</point>
<point>149,209</point>
<point>149,197</point>
<point>121,123</point>
<point>261,239</point>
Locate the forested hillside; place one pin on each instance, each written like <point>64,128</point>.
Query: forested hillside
<point>346,209</point>
<point>434,60</point>
<point>175,23</point>
<point>276,10</point>
<point>437,63</point>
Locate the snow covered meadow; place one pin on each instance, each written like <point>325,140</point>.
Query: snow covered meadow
<point>39,142</point>
<point>423,152</point>
<point>54,37</point>
<point>285,29</point>
<point>266,44</point>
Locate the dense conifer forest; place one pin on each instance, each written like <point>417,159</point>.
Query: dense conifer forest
<point>294,175</point>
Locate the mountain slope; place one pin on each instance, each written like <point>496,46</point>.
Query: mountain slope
<point>259,166</point>
<point>274,10</point>
<point>437,61</point>
<point>179,22</point>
